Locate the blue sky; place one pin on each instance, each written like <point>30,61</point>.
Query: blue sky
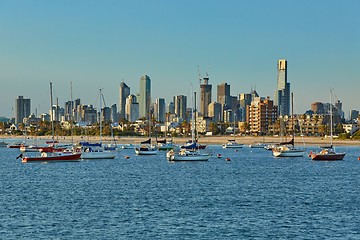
<point>96,44</point>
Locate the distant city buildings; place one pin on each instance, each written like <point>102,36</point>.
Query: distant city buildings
<point>22,109</point>
<point>205,96</point>
<point>131,108</point>
<point>180,106</point>
<point>145,97</point>
<point>124,92</point>
<point>282,92</point>
<point>160,110</point>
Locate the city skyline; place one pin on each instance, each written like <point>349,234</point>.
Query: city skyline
<point>96,45</point>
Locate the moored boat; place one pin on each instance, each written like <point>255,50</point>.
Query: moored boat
<point>53,157</point>
<point>232,144</point>
<point>328,154</point>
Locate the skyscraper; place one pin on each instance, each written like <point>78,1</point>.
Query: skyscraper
<point>224,98</point>
<point>205,96</point>
<point>22,109</point>
<point>282,93</point>
<point>131,109</point>
<point>159,110</point>
<point>223,94</point>
<point>145,96</point>
<point>180,106</point>
<point>124,92</point>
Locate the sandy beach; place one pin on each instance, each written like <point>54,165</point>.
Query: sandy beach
<point>210,140</point>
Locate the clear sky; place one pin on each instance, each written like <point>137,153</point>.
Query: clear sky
<point>96,44</point>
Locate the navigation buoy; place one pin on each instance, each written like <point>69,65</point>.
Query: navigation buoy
<point>218,155</point>
<point>228,159</point>
<point>358,158</point>
<point>127,157</point>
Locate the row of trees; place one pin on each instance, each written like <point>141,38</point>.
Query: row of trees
<point>44,128</point>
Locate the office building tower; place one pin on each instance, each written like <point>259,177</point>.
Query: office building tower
<point>317,108</point>
<point>106,115</point>
<point>114,115</point>
<point>145,97</point>
<point>159,110</point>
<point>131,108</point>
<point>180,106</point>
<point>171,108</point>
<point>223,94</point>
<point>244,101</point>
<point>76,113</point>
<point>338,106</point>
<point>124,92</point>
<point>69,106</point>
<point>22,109</point>
<point>87,114</point>
<point>354,114</point>
<point>282,93</point>
<point>214,111</point>
<point>205,96</point>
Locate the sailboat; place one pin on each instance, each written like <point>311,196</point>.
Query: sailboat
<point>52,156</point>
<point>328,154</point>
<point>232,142</point>
<point>146,148</point>
<point>96,150</point>
<point>190,152</point>
<point>288,149</point>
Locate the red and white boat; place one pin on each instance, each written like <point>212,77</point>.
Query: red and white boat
<point>53,157</point>
<point>51,154</point>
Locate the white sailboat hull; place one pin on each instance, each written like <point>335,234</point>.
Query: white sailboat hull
<point>98,155</point>
<point>289,152</point>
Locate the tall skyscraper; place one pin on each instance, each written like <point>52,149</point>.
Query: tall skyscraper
<point>224,98</point>
<point>180,106</point>
<point>132,108</point>
<point>22,109</point>
<point>124,92</point>
<point>205,96</point>
<point>223,94</point>
<point>145,96</point>
<point>282,93</point>
<point>159,110</point>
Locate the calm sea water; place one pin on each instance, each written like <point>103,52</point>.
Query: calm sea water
<point>253,196</point>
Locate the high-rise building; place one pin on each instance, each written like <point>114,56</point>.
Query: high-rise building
<point>114,115</point>
<point>205,96</point>
<point>223,94</point>
<point>282,92</point>
<point>338,105</point>
<point>106,114</point>
<point>131,108</point>
<point>145,96</point>
<point>244,101</point>
<point>171,108</point>
<point>180,106</point>
<point>354,114</point>
<point>261,114</point>
<point>317,107</point>
<point>214,111</point>
<point>159,110</point>
<point>22,109</point>
<point>124,92</point>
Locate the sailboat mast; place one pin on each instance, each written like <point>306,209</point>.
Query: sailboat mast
<point>52,113</point>
<point>292,116</point>
<point>195,132</point>
<point>100,117</point>
<point>331,120</point>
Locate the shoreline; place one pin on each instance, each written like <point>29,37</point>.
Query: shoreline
<point>209,140</point>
